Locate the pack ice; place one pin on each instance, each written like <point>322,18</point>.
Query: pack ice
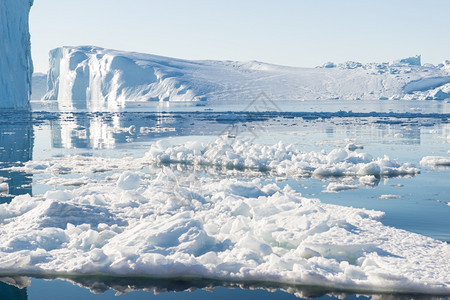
<point>163,224</point>
<point>16,66</point>
<point>93,77</point>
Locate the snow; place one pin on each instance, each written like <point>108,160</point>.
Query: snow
<point>280,158</point>
<point>369,180</point>
<point>235,154</point>
<point>435,161</point>
<point>96,78</point>
<point>16,66</point>
<point>214,229</point>
<point>389,196</point>
<point>334,187</point>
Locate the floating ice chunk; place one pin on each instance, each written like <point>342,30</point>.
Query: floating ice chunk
<point>280,158</point>
<point>58,181</point>
<point>353,147</point>
<point>435,161</point>
<point>388,196</point>
<point>226,230</point>
<point>369,180</point>
<point>220,232</point>
<point>4,187</point>
<point>334,187</point>
<point>129,181</point>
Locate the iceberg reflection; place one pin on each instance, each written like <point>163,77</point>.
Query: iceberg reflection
<point>16,146</point>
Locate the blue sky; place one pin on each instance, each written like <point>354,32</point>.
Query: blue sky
<point>289,32</point>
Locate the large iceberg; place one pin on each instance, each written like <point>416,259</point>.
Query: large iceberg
<point>16,65</point>
<point>93,78</point>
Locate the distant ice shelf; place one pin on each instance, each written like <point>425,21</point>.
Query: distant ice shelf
<point>16,65</point>
<point>90,77</point>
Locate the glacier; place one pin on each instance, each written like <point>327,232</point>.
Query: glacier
<point>16,66</point>
<point>97,78</point>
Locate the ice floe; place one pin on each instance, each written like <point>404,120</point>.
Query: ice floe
<point>173,227</point>
<point>435,161</point>
<point>280,158</point>
<point>389,196</point>
<point>229,154</point>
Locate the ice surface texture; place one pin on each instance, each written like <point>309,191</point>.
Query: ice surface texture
<point>16,66</point>
<point>167,225</point>
<point>216,229</point>
<point>229,153</point>
<point>280,158</point>
<point>92,77</point>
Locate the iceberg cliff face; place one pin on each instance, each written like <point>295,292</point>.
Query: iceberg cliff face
<point>16,66</point>
<point>96,78</point>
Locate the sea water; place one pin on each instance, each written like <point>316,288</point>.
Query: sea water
<point>410,132</point>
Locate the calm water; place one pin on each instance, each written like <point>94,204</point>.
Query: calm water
<point>411,131</point>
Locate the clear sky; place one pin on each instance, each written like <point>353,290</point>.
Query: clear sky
<point>290,32</point>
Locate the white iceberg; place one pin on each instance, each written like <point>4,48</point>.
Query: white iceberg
<point>16,65</point>
<point>96,78</point>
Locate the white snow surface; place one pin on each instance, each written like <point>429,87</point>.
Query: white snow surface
<point>230,153</point>
<point>16,65</point>
<point>217,229</point>
<point>92,77</point>
<point>435,161</point>
<point>161,224</point>
<point>280,158</point>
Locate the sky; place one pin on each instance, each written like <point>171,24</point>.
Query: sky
<point>303,33</point>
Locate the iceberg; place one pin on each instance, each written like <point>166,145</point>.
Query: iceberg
<point>409,61</point>
<point>39,83</point>
<point>93,78</point>
<point>16,65</point>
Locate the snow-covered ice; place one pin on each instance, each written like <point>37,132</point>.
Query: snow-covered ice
<point>229,154</point>
<point>435,161</point>
<point>16,65</point>
<point>96,78</point>
<point>390,196</point>
<point>280,158</point>
<point>215,229</point>
<point>334,187</point>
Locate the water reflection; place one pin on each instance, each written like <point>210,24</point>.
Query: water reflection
<point>16,146</point>
<point>18,288</point>
<point>106,130</point>
<point>10,292</point>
